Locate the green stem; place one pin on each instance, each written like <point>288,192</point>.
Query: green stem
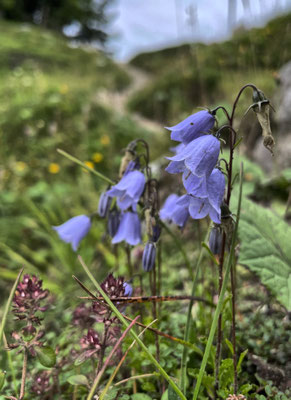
<point>188,323</point>
<point>82,164</point>
<point>221,297</point>
<point>8,304</point>
<point>11,367</point>
<point>122,319</point>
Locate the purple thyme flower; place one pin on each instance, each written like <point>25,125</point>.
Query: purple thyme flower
<point>74,230</point>
<point>200,207</point>
<point>129,229</point>
<point>199,157</point>
<point>174,212</point>
<point>193,127</point>
<point>128,190</point>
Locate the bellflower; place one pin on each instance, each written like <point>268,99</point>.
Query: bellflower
<point>174,212</point>
<point>193,127</point>
<point>127,289</point>
<point>128,190</point>
<point>74,230</point>
<point>104,204</point>
<point>149,256</point>
<point>201,207</point>
<point>199,157</point>
<point>129,229</point>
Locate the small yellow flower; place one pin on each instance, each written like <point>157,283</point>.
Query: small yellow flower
<point>20,166</point>
<point>54,168</point>
<point>64,88</point>
<point>89,164</point>
<point>97,157</point>
<point>105,140</point>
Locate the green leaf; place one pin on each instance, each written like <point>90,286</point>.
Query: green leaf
<point>140,396</point>
<point>241,358</point>
<point>172,395</point>
<point>229,345</point>
<point>46,356</point>
<point>78,380</point>
<point>265,249</point>
<point>2,379</point>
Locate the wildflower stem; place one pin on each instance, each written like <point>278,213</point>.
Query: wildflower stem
<point>23,377</point>
<point>188,322</point>
<point>82,164</point>
<point>102,370</point>
<point>233,299</point>
<point>122,319</point>
<point>221,297</point>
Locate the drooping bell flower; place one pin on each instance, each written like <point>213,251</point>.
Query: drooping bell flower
<point>149,256</point>
<point>192,127</point>
<point>174,212</point>
<point>215,240</point>
<point>74,230</point>
<point>129,229</point>
<point>200,207</point>
<point>113,221</point>
<point>104,204</point>
<point>128,190</point>
<point>199,157</point>
<point>127,289</point>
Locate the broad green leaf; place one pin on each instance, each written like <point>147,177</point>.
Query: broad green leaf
<point>241,358</point>
<point>265,249</point>
<point>78,380</point>
<point>46,356</point>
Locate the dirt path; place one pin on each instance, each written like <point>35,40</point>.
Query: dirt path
<point>118,100</point>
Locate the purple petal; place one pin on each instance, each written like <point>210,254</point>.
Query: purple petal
<point>215,187</point>
<point>198,208</point>
<point>74,230</point>
<point>129,229</point>
<point>166,210</point>
<point>175,167</point>
<point>195,185</point>
<point>192,127</point>
<point>204,156</point>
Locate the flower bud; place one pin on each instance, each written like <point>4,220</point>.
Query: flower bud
<point>104,204</point>
<point>113,222</point>
<point>149,256</point>
<point>215,240</point>
<point>156,233</point>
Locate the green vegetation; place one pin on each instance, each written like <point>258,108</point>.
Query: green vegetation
<point>199,74</point>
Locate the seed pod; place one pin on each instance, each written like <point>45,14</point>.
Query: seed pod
<point>104,204</point>
<point>113,222</point>
<point>215,240</point>
<point>149,256</point>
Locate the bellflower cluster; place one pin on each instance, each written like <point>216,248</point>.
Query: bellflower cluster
<point>196,160</point>
<point>125,225</point>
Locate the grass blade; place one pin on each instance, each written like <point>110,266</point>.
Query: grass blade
<point>122,319</point>
<point>9,301</point>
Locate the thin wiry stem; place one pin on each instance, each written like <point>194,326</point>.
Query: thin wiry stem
<point>24,372</point>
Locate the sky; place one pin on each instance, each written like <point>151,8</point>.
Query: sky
<point>144,25</point>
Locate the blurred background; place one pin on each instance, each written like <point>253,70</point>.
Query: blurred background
<point>89,76</point>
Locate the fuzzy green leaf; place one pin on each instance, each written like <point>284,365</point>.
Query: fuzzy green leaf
<point>78,380</point>
<point>46,356</point>
<point>265,249</point>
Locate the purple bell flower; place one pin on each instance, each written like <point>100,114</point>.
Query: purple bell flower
<point>200,207</point>
<point>104,204</point>
<point>129,229</point>
<point>128,190</point>
<point>149,256</point>
<point>174,212</point>
<point>74,230</point>
<point>215,240</point>
<point>113,222</point>
<point>127,289</point>
<point>199,157</point>
<point>193,127</point>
